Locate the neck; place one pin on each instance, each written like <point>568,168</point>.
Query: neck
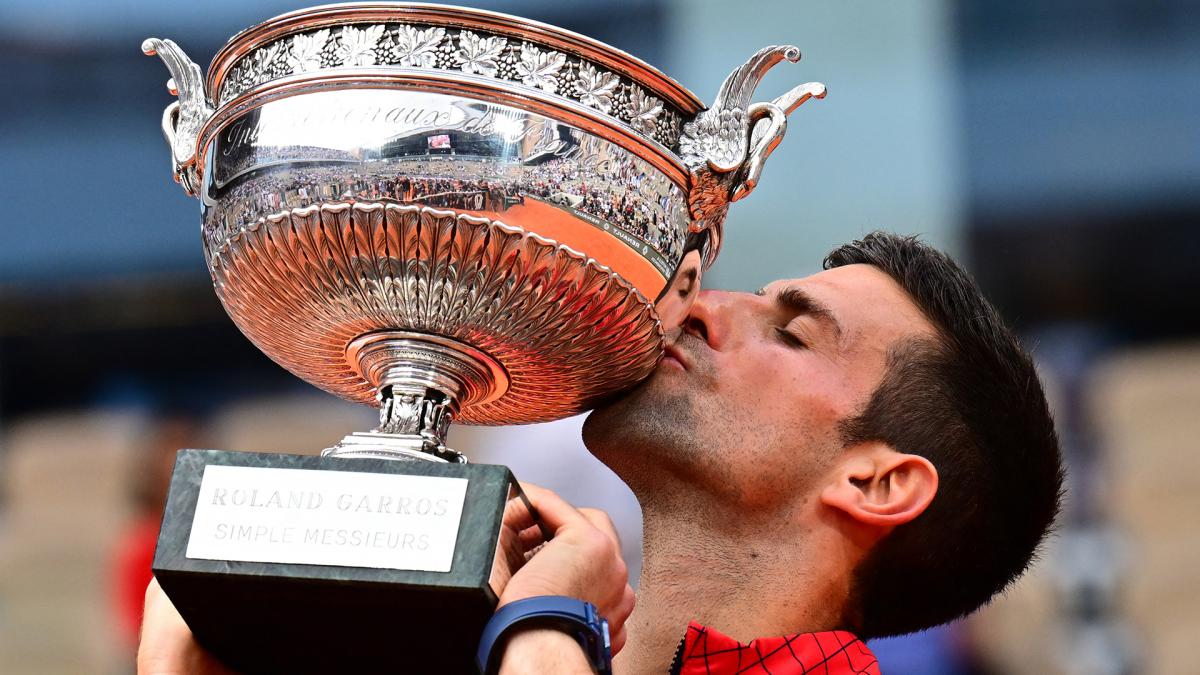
<point>748,573</point>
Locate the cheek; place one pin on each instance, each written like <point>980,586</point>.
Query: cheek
<point>791,406</point>
<point>774,447</point>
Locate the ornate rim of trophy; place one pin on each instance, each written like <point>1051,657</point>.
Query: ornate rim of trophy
<point>466,314</point>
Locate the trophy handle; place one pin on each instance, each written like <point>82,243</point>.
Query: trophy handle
<point>183,119</point>
<point>725,146</point>
<point>768,121</point>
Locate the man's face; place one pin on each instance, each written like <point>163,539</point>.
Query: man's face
<point>748,398</point>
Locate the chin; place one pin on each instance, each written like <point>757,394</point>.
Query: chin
<point>646,421</point>
<point>606,423</point>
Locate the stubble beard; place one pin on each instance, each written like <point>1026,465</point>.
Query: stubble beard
<point>656,426</point>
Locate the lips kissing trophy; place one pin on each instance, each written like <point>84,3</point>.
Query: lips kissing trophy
<point>453,215</point>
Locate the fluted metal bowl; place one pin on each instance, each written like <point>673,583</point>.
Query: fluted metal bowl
<point>458,214</point>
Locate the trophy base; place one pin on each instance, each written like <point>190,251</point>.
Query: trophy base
<point>299,564</point>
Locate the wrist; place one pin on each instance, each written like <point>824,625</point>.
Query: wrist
<point>573,619</point>
<point>536,650</point>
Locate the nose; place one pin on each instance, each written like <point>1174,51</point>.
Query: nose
<point>710,317</point>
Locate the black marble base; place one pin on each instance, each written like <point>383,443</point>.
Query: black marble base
<point>293,618</point>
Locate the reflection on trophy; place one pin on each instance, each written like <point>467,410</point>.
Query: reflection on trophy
<point>453,215</point>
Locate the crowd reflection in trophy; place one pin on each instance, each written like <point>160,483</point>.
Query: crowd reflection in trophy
<point>619,193</point>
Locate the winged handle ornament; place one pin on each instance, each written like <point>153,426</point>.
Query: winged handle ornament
<point>183,119</point>
<point>725,146</point>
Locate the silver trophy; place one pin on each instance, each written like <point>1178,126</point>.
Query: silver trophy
<point>457,215</point>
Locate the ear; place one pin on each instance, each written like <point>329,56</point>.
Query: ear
<point>878,486</point>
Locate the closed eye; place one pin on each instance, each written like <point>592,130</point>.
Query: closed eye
<point>789,338</point>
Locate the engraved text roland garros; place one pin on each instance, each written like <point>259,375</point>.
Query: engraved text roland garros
<point>341,518</point>
<point>309,500</point>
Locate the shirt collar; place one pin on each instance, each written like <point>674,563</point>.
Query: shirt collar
<point>705,651</point>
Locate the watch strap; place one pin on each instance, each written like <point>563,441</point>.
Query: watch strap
<point>575,617</point>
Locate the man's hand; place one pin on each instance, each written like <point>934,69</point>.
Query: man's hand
<point>583,560</point>
<point>167,646</point>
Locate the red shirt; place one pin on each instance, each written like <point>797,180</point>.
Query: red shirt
<point>706,652</point>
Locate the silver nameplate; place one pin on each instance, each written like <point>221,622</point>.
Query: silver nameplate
<point>342,518</point>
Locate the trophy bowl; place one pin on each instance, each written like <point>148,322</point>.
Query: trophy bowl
<point>454,214</point>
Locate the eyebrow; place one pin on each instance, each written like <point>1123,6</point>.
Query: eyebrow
<point>799,302</point>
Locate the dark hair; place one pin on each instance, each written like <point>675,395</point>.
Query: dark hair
<point>971,403</point>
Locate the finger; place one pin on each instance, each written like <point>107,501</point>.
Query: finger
<point>601,521</point>
<point>531,538</point>
<point>618,606</point>
<point>518,514</point>
<point>624,608</point>
<point>167,645</point>
<point>161,623</point>
<point>618,640</point>
<point>619,616</point>
<point>533,551</point>
<point>511,550</point>
<point>153,590</point>
<point>553,510</point>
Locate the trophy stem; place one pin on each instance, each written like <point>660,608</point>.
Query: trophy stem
<point>422,381</point>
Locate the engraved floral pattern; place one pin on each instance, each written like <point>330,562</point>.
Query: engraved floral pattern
<point>358,45</point>
<point>463,50</point>
<point>539,68</point>
<point>418,48</point>
<point>264,59</point>
<point>646,109</point>
<point>306,51</point>
<point>667,131</point>
<point>477,54</point>
<point>596,87</point>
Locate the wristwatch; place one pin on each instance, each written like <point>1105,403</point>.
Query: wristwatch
<point>574,617</point>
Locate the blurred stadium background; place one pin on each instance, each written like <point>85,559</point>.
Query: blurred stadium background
<point>1054,145</point>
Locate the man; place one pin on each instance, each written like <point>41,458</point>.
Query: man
<point>866,451</point>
